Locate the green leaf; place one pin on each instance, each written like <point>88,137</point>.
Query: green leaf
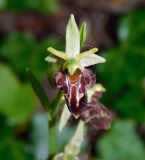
<point>83,34</point>
<point>121,143</point>
<point>2,4</point>
<point>17,101</point>
<point>23,105</point>
<point>132,104</point>
<point>16,5</point>
<point>126,93</point>
<point>17,49</point>
<point>38,89</point>
<point>13,149</point>
<point>56,103</point>
<point>40,136</point>
<point>21,51</point>
<point>53,140</point>
<point>72,38</point>
<point>43,6</point>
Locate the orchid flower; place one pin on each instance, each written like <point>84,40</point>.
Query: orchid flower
<point>73,58</point>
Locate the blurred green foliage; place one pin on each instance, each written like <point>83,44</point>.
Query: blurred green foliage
<point>44,6</point>
<point>122,75</point>
<point>39,91</point>
<point>10,146</point>
<point>16,101</point>
<point>22,51</point>
<point>40,136</point>
<point>123,72</point>
<point>121,143</point>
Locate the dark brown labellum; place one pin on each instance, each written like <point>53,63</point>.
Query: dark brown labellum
<point>74,87</point>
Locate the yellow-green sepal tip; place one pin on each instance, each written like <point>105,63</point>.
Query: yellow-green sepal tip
<point>57,53</point>
<point>87,53</point>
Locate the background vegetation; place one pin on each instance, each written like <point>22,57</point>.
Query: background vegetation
<point>27,28</point>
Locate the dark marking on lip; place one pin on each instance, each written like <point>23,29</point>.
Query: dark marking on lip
<point>74,87</point>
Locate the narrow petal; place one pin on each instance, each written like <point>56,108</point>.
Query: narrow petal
<point>72,38</point>
<point>57,53</point>
<point>51,59</point>
<point>87,53</point>
<point>83,32</point>
<point>91,60</point>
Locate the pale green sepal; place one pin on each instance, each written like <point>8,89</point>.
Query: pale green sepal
<point>73,147</point>
<point>72,38</point>
<point>83,34</point>
<point>87,53</point>
<point>91,60</point>
<point>51,59</point>
<point>57,53</point>
<point>64,118</point>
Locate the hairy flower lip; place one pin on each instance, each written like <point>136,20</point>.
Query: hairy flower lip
<point>75,88</point>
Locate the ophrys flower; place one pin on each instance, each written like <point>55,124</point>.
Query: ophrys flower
<point>72,57</point>
<point>73,78</point>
